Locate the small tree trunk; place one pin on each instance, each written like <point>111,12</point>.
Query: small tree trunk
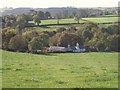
<point>58,21</point>
<point>37,24</point>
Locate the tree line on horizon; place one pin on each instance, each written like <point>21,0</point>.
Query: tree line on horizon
<point>37,15</point>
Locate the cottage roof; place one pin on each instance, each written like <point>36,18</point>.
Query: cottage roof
<point>56,48</point>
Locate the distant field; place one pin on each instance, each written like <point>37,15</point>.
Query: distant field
<point>64,21</point>
<point>68,70</point>
<point>61,21</point>
<point>114,15</point>
<point>102,19</point>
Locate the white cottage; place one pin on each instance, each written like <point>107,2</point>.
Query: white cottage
<point>78,48</point>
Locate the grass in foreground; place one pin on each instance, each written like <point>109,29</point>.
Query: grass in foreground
<point>69,70</point>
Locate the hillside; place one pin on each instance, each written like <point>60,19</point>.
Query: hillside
<point>54,10</point>
<point>16,11</point>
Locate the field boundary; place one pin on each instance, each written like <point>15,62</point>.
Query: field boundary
<point>42,25</point>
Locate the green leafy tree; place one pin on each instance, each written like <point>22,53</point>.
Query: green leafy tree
<point>113,42</point>
<point>39,43</point>
<point>54,39</point>
<point>87,34</point>
<point>18,43</point>
<point>70,38</point>
<point>61,29</point>
<point>22,22</point>
<point>28,35</point>
<point>7,34</point>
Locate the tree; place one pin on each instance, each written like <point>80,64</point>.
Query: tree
<point>100,46</point>
<point>8,21</point>
<point>113,42</point>
<point>47,15</point>
<point>69,38</point>
<point>84,13</point>
<point>61,29</point>
<point>58,16</point>
<point>74,13</point>
<point>77,18</point>
<point>54,39</point>
<point>41,15</point>
<point>22,22</point>
<point>8,24</point>
<point>112,29</point>
<point>0,40</point>
<point>87,34</point>
<point>28,35</point>
<point>71,29</point>
<point>45,39</point>
<point>18,43</point>
<point>7,34</point>
<point>38,43</point>
<point>65,14</point>
<point>37,19</point>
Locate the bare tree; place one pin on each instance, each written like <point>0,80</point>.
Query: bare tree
<point>58,16</point>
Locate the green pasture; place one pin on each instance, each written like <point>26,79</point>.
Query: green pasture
<point>102,19</point>
<point>112,15</point>
<point>61,21</point>
<point>60,70</point>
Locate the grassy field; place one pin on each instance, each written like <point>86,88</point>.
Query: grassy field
<point>61,21</point>
<point>102,19</point>
<point>73,70</point>
<point>112,15</point>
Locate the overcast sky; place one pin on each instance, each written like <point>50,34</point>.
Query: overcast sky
<point>58,3</point>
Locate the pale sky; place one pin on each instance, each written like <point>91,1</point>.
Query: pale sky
<point>58,3</point>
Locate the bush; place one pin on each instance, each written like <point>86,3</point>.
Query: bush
<point>17,43</point>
